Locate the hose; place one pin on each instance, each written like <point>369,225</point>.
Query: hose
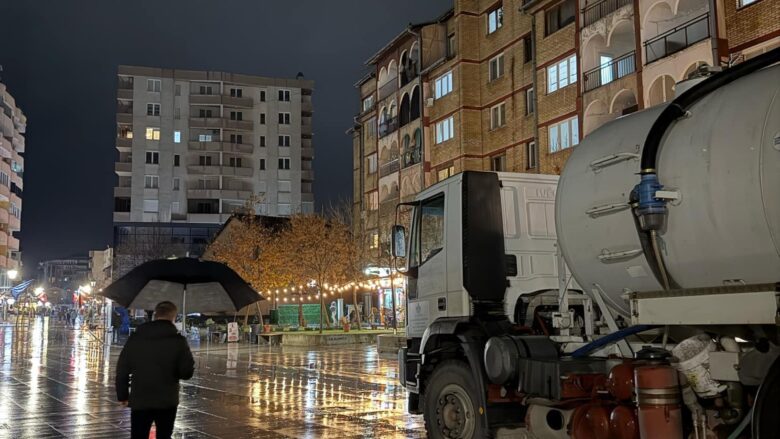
<point>659,259</point>
<point>609,339</point>
<point>679,106</point>
<point>745,421</point>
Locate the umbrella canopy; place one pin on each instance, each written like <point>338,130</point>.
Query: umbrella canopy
<point>209,286</point>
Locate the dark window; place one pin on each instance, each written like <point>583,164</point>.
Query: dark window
<point>152,157</point>
<point>262,95</point>
<point>236,115</point>
<point>262,118</point>
<point>262,164</point>
<point>450,45</point>
<point>262,140</point>
<point>236,92</point>
<point>528,50</point>
<point>559,16</point>
<point>498,163</point>
<point>205,160</point>
<point>236,138</point>
<point>121,205</point>
<point>235,162</point>
<point>205,112</point>
<point>284,163</point>
<point>176,160</point>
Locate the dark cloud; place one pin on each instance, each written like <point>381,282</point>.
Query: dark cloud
<point>60,58</point>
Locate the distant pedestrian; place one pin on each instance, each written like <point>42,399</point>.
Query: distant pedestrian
<point>150,366</point>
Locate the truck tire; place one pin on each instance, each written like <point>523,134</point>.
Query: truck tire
<point>766,423</point>
<point>450,407</point>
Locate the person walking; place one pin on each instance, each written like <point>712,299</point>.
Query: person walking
<point>148,371</point>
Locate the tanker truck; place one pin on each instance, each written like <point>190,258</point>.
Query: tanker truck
<point>636,297</point>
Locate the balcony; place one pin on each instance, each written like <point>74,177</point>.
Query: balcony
<point>226,100</point>
<point>121,217</point>
<point>412,156</point>
<point>387,89</point>
<point>124,93</point>
<point>238,148</point>
<point>203,169</point>
<point>307,152</point>
<point>306,106</point>
<point>13,243</point>
<point>124,118</point>
<point>307,175</point>
<point>4,216</point>
<point>237,171</point>
<point>388,127</point>
<point>597,11</point>
<point>123,192</point>
<point>123,168</point>
<point>220,122</point>
<point>616,69</point>
<point>13,223</point>
<point>219,193</point>
<point>124,144</point>
<point>677,39</point>
<point>389,167</point>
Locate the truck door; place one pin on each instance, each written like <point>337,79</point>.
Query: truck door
<point>427,281</point>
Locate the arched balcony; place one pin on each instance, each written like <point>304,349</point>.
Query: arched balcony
<point>609,57</point>
<point>661,90</point>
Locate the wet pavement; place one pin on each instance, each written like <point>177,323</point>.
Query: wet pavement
<point>57,382</point>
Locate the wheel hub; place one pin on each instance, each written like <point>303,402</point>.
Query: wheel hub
<point>455,413</point>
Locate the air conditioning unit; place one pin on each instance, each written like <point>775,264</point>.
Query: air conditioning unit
<point>429,102</point>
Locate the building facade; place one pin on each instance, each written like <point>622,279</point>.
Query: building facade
<point>196,146</point>
<point>514,86</point>
<point>12,147</point>
<point>100,265</point>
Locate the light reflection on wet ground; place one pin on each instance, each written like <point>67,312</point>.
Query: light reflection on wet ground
<point>58,382</point>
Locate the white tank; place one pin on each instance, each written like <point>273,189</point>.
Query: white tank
<point>723,160</point>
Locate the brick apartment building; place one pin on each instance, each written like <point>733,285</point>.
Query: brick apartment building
<point>514,85</point>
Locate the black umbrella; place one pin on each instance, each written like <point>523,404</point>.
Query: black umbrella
<point>193,285</point>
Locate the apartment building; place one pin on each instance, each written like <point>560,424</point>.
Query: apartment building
<point>515,85</point>
<point>12,147</point>
<point>195,146</point>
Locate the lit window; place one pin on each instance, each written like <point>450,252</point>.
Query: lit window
<point>177,137</point>
<point>496,67</point>
<point>495,19</point>
<point>152,109</point>
<point>284,163</point>
<point>564,134</point>
<point>446,173</point>
<point>373,200</point>
<point>373,241</point>
<point>204,137</point>
<point>153,85</point>
<point>445,130</point>
<point>152,134</point>
<point>562,74</point>
<point>443,85</point>
<point>497,116</point>
<point>151,181</point>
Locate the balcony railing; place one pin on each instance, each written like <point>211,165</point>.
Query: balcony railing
<point>412,156</point>
<point>389,167</point>
<point>388,127</point>
<point>677,39</point>
<point>616,69</point>
<point>597,11</point>
<point>387,89</point>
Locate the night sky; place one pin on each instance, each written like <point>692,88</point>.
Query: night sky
<point>60,56</point>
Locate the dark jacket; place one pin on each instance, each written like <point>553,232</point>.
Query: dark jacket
<point>152,362</point>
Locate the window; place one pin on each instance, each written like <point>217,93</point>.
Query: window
<point>445,173</point>
<point>285,186</point>
<point>496,67</point>
<point>237,138</point>
<point>368,103</point>
<point>564,134</point>
<point>152,134</point>
<point>498,163</point>
<point>284,95</point>
<point>262,118</point>
<point>235,162</point>
<point>495,19</point>
<point>371,163</point>
<point>562,74</point>
<point>204,160</point>
<point>559,16</point>
<point>262,141</point>
<point>373,240</point>
<point>284,118</point>
<point>373,200</point>
<point>151,181</point>
<point>443,85</point>
<point>370,128</point>
<point>284,140</point>
<point>152,158</point>
<point>236,92</point>
<point>5,180</point>
<point>236,115</point>
<point>262,95</point>
<point>153,85</point>
<point>445,130</point>
<point>284,163</point>
<point>430,240</point>
<point>175,207</point>
<point>126,133</point>
<point>204,137</point>
<point>151,206</point>
<point>206,90</point>
<point>176,159</point>
<point>530,101</point>
<point>177,137</point>
<point>205,112</point>
<point>152,109</point>
<point>497,116</point>
<point>528,50</point>
<point>176,184</point>
<point>606,70</point>
<point>530,153</point>
<point>262,164</point>
<point>450,45</point>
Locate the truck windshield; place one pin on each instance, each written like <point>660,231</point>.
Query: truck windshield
<point>429,239</point>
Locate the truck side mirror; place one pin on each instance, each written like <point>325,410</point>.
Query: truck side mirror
<point>398,247</point>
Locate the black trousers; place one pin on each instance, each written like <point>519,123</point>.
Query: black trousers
<point>141,423</point>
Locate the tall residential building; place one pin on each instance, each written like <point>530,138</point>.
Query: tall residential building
<point>195,146</point>
<point>12,127</point>
<point>514,86</point>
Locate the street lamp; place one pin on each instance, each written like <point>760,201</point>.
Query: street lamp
<point>12,274</point>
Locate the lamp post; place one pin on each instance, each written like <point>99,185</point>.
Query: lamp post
<point>10,275</point>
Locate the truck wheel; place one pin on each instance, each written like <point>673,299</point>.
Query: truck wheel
<point>766,423</point>
<point>451,409</point>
